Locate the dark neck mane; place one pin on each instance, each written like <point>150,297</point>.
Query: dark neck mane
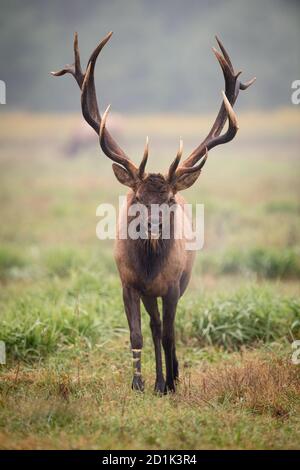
<point>150,256</point>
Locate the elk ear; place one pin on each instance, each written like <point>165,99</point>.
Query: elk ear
<point>123,176</point>
<point>186,180</point>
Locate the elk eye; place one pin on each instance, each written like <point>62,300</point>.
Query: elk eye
<point>172,200</point>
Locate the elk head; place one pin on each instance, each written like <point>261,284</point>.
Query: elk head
<point>156,188</point>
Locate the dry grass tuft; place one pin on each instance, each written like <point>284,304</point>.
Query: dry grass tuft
<point>262,386</point>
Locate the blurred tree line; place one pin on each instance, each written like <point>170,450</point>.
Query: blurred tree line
<point>159,59</point>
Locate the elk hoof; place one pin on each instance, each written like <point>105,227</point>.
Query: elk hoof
<point>138,383</point>
<point>160,386</point>
<point>176,371</point>
<point>170,388</point>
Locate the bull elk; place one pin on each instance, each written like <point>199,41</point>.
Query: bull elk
<point>155,267</point>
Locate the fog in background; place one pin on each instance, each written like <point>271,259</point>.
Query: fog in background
<point>158,60</point>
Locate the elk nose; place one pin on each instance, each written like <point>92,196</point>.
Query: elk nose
<point>154,226</point>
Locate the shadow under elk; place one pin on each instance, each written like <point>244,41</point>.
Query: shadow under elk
<point>154,267</point>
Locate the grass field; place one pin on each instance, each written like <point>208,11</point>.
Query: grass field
<point>67,380</point>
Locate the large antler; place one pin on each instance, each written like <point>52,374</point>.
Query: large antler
<point>90,108</point>
<point>232,88</point>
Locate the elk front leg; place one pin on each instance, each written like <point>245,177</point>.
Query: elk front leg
<point>168,340</point>
<point>151,306</point>
<point>133,312</point>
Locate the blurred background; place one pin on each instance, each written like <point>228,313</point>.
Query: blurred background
<point>159,59</point>
<point>160,75</point>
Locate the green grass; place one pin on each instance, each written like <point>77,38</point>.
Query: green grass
<point>263,262</point>
<point>67,380</point>
<point>11,261</point>
<point>283,207</point>
<point>248,317</point>
<point>60,318</point>
<point>61,262</point>
<point>57,318</point>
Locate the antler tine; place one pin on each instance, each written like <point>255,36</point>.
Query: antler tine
<point>89,96</point>
<point>225,53</point>
<point>103,123</point>
<point>97,50</point>
<point>183,170</point>
<point>244,86</point>
<point>89,106</point>
<point>116,157</point>
<point>231,114</point>
<point>143,163</point>
<point>232,87</point>
<point>74,69</point>
<point>233,127</point>
<point>175,163</point>
<point>77,63</point>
